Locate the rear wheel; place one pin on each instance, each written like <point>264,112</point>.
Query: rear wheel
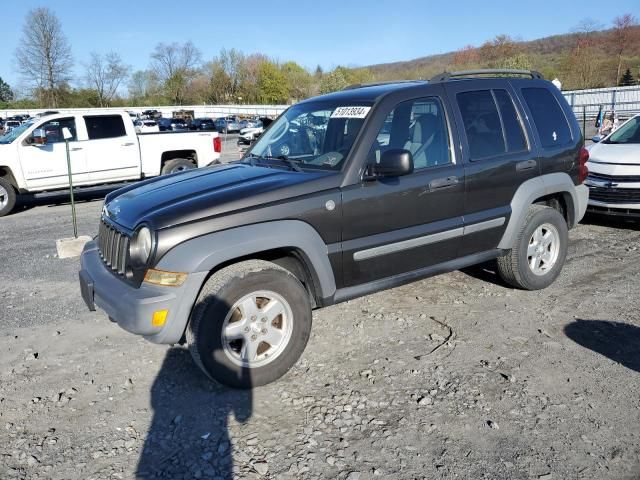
<point>250,324</point>
<point>7,197</point>
<point>537,256</point>
<point>177,165</point>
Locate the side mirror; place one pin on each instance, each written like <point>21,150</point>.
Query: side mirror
<point>39,137</point>
<point>596,138</point>
<point>394,163</point>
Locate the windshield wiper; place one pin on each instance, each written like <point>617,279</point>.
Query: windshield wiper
<point>282,158</point>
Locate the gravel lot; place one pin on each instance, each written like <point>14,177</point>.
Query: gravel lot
<point>456,376</point>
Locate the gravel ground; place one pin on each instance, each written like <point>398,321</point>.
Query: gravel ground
<point>457,376</point>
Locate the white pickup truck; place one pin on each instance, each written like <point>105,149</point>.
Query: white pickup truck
<point>104,148</point>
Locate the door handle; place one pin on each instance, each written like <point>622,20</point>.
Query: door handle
<point>526,165</point>
<point>128,144</point>
<point>443,182</point>
<point>75,149</point>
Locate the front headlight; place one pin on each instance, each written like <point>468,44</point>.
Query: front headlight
<point>141,246</point>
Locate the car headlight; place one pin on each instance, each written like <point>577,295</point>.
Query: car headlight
<point>141,246</point>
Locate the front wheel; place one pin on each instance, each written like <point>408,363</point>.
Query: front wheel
<point>7,197</point>
<point>250,324</point>
<point>537,256</point>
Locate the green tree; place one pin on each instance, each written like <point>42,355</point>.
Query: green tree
<point>6,94</point>
<point>627,79</point>
<point>519,61</point>
<point>272,84</point>
<point>334,81</point>
<point>175,66</point>
<point>298,79</point>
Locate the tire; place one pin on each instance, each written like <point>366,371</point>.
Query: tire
<point>177,165</point>
<point>7,197</point>
<point>539,252</point>
<point>249,361</point>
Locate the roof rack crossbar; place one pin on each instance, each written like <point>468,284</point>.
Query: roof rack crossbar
<point>377,84</point>
<point>446,76</point>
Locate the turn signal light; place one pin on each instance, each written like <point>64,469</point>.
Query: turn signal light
<point>159,317</point>
<point>166,279</point>
<point>217,145</point>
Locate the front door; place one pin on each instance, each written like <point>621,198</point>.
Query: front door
<point>45,166</point>
<point>397,225</point>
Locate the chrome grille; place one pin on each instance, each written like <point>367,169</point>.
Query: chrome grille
<point>113,247</point>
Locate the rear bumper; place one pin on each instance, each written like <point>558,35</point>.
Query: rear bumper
<point>582,197</point>
<point>132,308</point>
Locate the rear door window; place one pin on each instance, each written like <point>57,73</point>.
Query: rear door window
<point>548,117</point>
<point>513,132</point>
<point>481,124</point>
<point>105,126</point>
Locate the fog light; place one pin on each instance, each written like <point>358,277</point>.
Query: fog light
<point>167,279</point>
<point>159,317</point>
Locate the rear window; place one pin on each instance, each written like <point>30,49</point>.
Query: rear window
<point>105,126</point>
<point>548,117</point>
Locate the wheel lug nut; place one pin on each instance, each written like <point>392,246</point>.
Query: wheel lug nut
<point>246,329</point>
<point>254,337</point>
<point>253,318</point>
<point>263,319</point>
<point>264,331</point>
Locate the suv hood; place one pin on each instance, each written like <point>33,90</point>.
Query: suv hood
<point>170,200</point>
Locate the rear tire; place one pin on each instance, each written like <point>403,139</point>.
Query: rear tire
<point>539,252</point>
<point>177,165</point>
<point>7,197</point>
<point>250,324</point>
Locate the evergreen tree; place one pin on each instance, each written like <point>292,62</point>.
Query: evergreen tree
<point>6,94</point>
<point>627,79</point>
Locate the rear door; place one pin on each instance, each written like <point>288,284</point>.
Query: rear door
<point>392,226</point>
<point>498,154</point>
<point>45,166</point>
<point>112,149</point>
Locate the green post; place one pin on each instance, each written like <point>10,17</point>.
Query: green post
<point>584,125</point>
<point>73,203</point>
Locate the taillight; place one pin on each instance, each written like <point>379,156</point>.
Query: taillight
<point>583,170</point>
<point>217,145</point>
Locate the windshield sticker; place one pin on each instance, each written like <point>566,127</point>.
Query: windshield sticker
<point>350,112</point>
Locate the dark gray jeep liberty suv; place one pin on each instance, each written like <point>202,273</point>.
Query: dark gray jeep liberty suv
<point>345,194</point>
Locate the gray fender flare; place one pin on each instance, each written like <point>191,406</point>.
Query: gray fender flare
<point>538,187</point>
<point>203,254</point>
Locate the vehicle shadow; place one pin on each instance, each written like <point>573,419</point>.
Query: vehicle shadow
<point>487,272</point>
<point>618,341</point>
<point>611,221</point>
<point>188,436</point>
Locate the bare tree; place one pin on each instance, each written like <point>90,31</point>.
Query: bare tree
<point>44,55</point>
<point>105,74</point>
<point>175,66</point>
<point>622,35</point>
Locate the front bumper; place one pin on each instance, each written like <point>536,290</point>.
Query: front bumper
<point>132,308</point>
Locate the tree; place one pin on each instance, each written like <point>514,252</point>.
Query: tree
<point>6,94</point>
<point>581,64</point>
<point>44,55</point>
<point>334,81</point>
<point>272,84</point>
<point>298,79</point>
<point>622,35</point>
<point>175,66</point>
<point>466,56</point>
<point>496,51</point>
<point>105,74</point>
<point>627,79</point>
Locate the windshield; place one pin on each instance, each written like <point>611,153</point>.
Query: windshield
<point>14,133</point>
<point>314,135</point>
<point>627,133</point>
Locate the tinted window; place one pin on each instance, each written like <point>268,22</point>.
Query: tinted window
<point>511,122</point>
<point>419,126</point>
<point>548,117</point>
<point>481,124</point>
<point>53,129</point>
<point>107,126</point>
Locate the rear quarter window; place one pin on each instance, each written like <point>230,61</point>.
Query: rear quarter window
<point>105,126</point>
<point>548,117</point>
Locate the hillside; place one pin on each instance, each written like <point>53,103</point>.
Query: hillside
<point>580,60</point>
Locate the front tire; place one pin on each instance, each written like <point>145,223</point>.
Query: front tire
<point>250,324</point>
<point>7,197</point>
<point>539,252</point>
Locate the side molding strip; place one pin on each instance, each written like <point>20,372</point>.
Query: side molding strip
<point>426,239</point>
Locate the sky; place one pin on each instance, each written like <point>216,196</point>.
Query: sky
<point>318,32</point>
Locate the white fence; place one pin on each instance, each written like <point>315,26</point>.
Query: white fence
<point>621,99</point>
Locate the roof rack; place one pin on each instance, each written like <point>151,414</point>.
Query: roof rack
<point>446,76</point>
<point>377,84</point>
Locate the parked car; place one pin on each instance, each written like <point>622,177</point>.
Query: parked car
<point>227,124</point>
<point>172,124</point>
<point>10,125</point>
<point>202,124</point>
<point>146,126</point>
<point>233,259</point>
<point>249,134</point>
<point>614,171</point>
<point>151,114</point>
<point>104,149</point>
